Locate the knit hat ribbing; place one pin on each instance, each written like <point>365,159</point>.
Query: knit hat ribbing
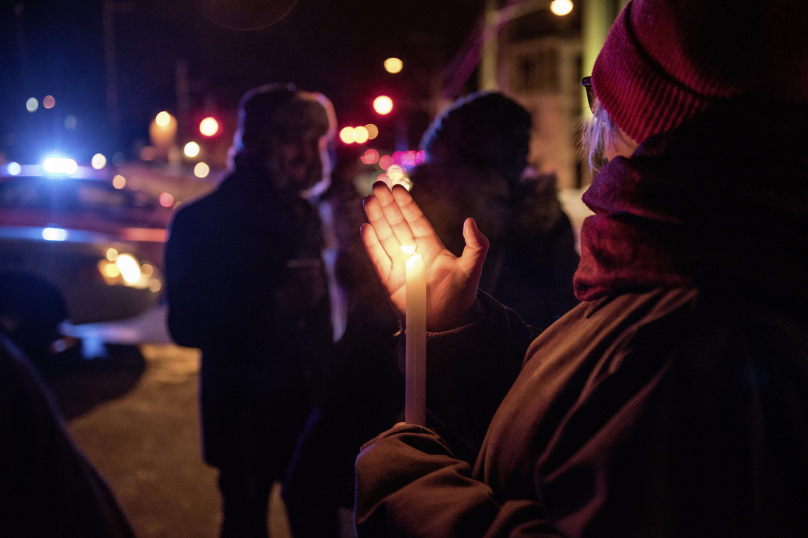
<point>664,61</point>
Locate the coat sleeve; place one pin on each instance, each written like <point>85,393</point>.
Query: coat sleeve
<point>667,436</point>
<point>409,484</point>
<point>471,368</point>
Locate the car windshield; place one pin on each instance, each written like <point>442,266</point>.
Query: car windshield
<point>68,195</point>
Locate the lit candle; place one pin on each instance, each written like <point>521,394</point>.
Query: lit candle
<point>415,396</point>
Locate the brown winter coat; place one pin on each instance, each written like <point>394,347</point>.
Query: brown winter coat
<point>664,413</point>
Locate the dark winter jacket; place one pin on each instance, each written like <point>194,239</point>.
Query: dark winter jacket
<point>227,257</point>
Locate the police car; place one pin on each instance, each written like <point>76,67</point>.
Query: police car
<point>74,247</point>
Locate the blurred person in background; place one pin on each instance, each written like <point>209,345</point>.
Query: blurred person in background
<point>363,393</point>
<point>476,166</point>
<point>246,284</point>
<point>673,401</point>
<point>48,488</point>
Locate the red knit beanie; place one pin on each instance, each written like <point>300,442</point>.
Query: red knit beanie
<point>664,61</point>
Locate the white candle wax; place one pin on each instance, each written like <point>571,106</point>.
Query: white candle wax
<point>415,397</point>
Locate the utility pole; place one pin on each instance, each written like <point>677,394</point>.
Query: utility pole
<point>598,16</point>
<point>487,74</point>
<point>110,66</point>
<point>182,87</point>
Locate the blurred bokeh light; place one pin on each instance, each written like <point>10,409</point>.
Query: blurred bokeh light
<point>201,170</point>
<point>98,161</point>
<point>191,149</point>
<point>209,126</point>
<point>393,65</point>
<point>561,7</point>
<point>383,105</point>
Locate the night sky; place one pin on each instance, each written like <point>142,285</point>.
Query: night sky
<point>337,47</point>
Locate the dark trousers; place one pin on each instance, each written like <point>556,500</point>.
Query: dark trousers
<point>245,503</point>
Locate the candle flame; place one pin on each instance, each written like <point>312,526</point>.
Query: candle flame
<point>408,249</point>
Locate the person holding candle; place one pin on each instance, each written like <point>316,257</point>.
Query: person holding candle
<point>673,401</point>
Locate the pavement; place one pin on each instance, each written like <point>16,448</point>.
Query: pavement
<point>131,403</point>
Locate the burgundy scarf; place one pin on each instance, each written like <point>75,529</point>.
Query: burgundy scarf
<point>720,201</point>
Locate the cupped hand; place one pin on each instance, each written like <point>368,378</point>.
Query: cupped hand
<point>396,220</point>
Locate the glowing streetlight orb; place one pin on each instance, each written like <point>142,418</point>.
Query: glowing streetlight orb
<point>561,7</point>
<point>209,126</point>
<point>201,170</point>
<point>373,131</point>
<point>49,101</point>
<point>383,105</point>
<point>166,199</point>
<point>191,149</point>
<point>347,135</point>
<point>31,104</point>
<point>163,119</point>
<point>14,169</point>
<point>393,65</point>
<point>119,182</point>
<point>98,161</point>
<point>361,135</point>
